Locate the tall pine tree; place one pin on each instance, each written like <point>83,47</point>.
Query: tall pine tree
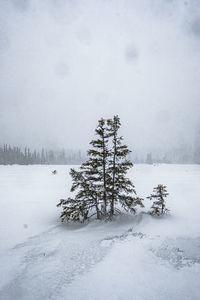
<point>91,181</point>
<point>101,182</point>
<point>121,188</point>
<point>99,158</point>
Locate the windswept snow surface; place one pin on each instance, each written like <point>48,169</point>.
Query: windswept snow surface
<point>134,257</point>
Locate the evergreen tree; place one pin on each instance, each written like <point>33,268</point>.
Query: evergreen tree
<point>159,206</point>
<point>101,182</point>
<point>43,156</point>
<point>99,159</point>
<point>86,202</point>
<point>91,182</point>
<point>121,188</point>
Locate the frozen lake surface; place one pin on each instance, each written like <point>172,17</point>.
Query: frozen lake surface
<point>134,257</point>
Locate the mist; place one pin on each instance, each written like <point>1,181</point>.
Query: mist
<point>65,64</point>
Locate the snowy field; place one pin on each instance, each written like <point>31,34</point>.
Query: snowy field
<point>131,258</point>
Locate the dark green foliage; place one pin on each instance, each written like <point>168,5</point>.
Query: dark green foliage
<point>159,206</point>
<point>85,204</point>
<point>121,188</point>
<point>98,160</point>
<point>101,182</point>
<point>91,182</point>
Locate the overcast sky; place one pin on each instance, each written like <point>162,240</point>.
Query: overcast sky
<point>66,63</point>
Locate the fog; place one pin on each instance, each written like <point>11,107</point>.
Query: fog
<point>65,64</point>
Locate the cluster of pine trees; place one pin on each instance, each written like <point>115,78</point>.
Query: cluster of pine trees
<point>15,155</point>
<point>101,183</point>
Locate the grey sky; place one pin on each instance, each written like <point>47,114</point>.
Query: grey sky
<point>64,64</point>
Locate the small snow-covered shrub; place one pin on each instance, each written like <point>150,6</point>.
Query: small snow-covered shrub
<point>159,204</point>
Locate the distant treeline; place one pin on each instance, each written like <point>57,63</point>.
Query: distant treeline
<point>10,155</point>
<point>183,154</point>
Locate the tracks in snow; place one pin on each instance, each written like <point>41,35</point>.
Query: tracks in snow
<point>52,260</point>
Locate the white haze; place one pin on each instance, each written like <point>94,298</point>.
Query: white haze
<point>64,64</point>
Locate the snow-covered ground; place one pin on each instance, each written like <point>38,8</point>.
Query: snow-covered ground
<point>131,258</point>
